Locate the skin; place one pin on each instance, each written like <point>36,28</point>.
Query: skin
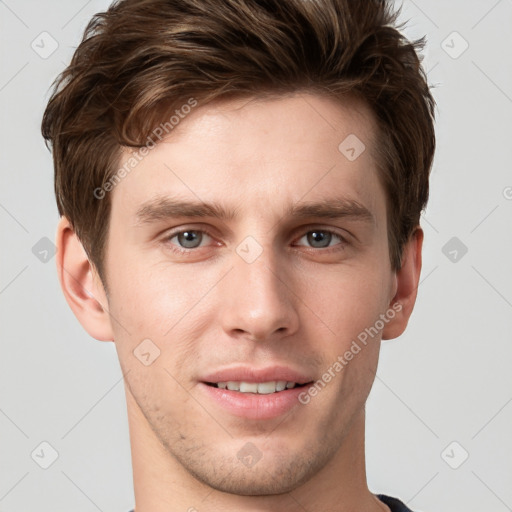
<point>298,304</point>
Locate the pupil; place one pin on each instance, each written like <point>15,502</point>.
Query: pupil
<point>186,238</point>
<point>319,236</point>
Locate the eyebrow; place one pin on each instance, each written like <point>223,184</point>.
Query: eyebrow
<point>163,208</point>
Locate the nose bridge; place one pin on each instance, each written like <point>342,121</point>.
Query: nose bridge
<point>260,300</point>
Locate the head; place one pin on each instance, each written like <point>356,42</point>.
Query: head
<point>245,107</point>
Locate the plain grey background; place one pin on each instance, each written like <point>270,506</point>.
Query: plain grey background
<point>440,412</point>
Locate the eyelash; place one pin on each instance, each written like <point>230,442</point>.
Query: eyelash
<point>184,251</point>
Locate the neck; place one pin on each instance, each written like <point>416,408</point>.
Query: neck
<point>162,485</point>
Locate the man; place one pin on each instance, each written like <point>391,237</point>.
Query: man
<point>240,185</point>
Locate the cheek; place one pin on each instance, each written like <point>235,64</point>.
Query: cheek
<point>347,299</point>
<point>159,311</point>
<point>152,299</point>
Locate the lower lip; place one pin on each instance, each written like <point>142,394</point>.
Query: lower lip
<point>253,405</point>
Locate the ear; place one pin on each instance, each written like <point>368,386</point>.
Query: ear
<point>81,284</point>
<point>406,285</point>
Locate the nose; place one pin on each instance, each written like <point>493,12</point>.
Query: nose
<point>258,299</point>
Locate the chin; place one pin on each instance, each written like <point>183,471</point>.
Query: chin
<point>255,481</point>
<point>276,469</point>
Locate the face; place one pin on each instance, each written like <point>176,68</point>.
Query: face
<point>248,250</point>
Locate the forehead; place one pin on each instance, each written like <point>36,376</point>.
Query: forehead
<point>302,119</point>
<point>260,153</point>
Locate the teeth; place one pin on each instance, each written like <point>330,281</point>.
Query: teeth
<point>246,387</point>
<point>262,388</point>
<point>265,388</point>
<point>281,385</point>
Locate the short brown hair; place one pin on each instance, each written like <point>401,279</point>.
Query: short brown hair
<point>141,59</point>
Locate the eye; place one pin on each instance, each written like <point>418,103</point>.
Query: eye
<point>186,239</point>
<point>322,238</point>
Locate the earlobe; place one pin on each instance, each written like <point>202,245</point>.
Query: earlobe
<point>407,281</point>
<point>81,285</point>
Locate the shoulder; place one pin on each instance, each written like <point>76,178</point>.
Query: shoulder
<point>393,503</point>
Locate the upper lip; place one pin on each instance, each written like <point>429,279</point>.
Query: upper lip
<point>251,374</point>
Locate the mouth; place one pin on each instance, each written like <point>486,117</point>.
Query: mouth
<point>255,393</point>
<point>261,388</point>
